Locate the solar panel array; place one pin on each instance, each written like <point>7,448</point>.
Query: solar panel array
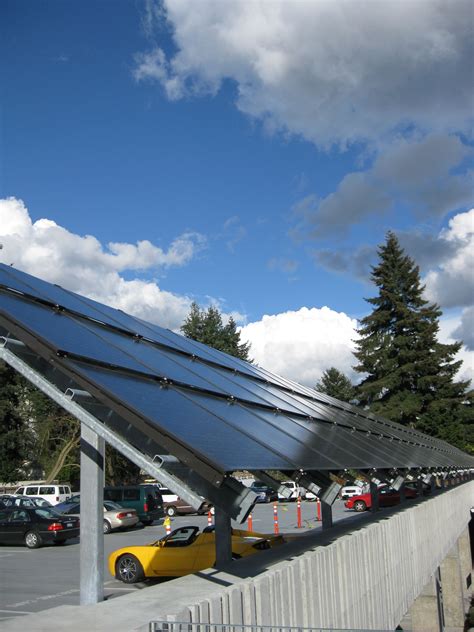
<point>220,410</point>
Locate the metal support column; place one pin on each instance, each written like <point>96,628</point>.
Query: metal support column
<point>326,515</point>
<point>374,494</point>
<point>223,527</point>
<point>92,516</point>
<point>402,493</point>
<point>419,487</point>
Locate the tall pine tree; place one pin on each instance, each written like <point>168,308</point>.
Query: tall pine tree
<point>334,383</point>
<point>207,326</point>
<point>409,375</point>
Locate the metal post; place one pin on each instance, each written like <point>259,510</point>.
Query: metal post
<point>92,517</point>
<point>326,514</point>
<point>223,538</point>
<point>419,487</point>
<point>402,493</point>
<point>374,493</point>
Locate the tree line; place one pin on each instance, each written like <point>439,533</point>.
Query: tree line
<point>407,376</point>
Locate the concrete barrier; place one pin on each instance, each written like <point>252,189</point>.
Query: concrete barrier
<point>363,580</point>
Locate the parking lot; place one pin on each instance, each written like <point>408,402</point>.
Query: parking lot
<point>34,580</point>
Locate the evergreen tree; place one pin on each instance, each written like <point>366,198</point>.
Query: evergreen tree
<point>334,383</point>
<point>118,469</point>
<point>409,375</point>
<point>14,432</point>
<point>206,326</point>
<point>56,433</point>
<point>193,325</point>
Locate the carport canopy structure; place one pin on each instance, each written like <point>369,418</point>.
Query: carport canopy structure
<point>188,413</point>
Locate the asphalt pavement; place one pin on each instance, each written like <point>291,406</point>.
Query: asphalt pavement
<point>34,580</point>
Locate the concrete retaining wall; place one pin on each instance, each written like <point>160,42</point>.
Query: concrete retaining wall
<point>367,579</point>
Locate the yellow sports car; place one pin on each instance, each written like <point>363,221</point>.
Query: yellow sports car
<point>183,551</point>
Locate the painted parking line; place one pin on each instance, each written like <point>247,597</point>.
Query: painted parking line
<point>27,602</point>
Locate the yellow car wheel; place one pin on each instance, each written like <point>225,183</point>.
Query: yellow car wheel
<point>128,569</point>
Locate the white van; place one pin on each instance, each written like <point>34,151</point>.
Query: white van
<point>54,493</point>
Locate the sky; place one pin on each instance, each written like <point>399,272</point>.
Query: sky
<point>247,154</point>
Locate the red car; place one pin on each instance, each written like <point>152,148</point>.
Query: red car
<point>387,497</point>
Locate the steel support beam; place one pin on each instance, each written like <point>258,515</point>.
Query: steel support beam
<point>233,497</point>
<point>273,483</point>
<point>326,515</point>
<point>223,538</point>
<point>419,487</point>
<point>374,494</point>
<point>67,402</point>
<point>401,490</point>
<point>92,517</point>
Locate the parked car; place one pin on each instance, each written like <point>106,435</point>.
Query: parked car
<point>115,517</point>
<point>4,498</point>
<point>35,526</point>
<point>264,493</point>
<point>387,498</point>
<point>53,493</point>
<point>348,491</point>
<point>145,499</point>
<point>183,551</point>
<point>295,491</point>
<point>173,505</point>
<point>75,498</point>
<point>26,501</point>
<point>414,486</point>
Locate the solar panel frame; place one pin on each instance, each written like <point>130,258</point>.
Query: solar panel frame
<point>278,424</point>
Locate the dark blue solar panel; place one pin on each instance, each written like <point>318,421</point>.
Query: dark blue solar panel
<point>206,353</point>
<point>46,291</point>
<point>189,419</point>
<point>92,309</point>
<point>271,427</point>
<point>102,345</point>
<point>223,431</point>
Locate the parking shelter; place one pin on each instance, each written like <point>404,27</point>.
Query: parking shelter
<point>190,415</point>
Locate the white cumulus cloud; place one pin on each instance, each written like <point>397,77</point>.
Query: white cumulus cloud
<point>301,345</point>
<point>333,72</point>
<point>84,265</point>
<point>452,282</point>
<point>450,330</point>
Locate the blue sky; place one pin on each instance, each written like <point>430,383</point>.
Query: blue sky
<point>258,152</point>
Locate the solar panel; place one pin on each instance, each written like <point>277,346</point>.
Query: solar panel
<point>202,405</point>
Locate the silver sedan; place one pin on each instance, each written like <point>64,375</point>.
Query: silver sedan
<point>115,516</point>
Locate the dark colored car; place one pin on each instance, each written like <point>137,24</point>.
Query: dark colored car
<point>76,498</point>
<point>264,493</point>
<point>180,507</point>
<point>413,485</point>
<point>145,499</point>
<point>4,498</point>
<point>387,498</point>
<point>173,505</point>
<point>26,501</point>
<point>35,526</point>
